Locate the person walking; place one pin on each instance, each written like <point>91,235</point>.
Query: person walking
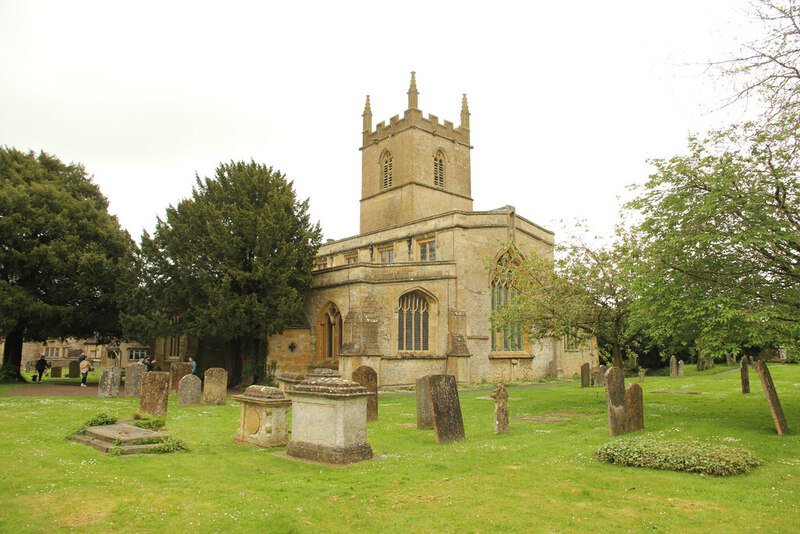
<point>85,367</point>
<point>194,364</point>
<point>41,366</point>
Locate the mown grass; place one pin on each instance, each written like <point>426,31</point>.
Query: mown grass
<point>539,477</point>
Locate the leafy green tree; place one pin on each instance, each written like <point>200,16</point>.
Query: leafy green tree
<point>234,262</point>
<point>586,291</point>
<point>62,256</point>
<point>720,229</point>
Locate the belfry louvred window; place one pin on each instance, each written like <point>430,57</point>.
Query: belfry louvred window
<point>438,169</point>
<point>387,170</point>
<point>413,322</point>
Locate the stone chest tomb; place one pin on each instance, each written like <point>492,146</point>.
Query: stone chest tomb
<point>329,421</point>
<point>262,419</point>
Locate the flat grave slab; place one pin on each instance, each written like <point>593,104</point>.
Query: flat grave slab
<point>104,438</point>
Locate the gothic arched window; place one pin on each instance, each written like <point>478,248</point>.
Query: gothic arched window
<point>438,169</point>
<point>413,322</point>
<point>386,170</point>
<point>509,338</point>
<point>329,332</point>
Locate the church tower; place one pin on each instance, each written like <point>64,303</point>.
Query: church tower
<point>414,167</point>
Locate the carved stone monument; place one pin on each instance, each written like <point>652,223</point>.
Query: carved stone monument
<point>446,408</point>
<point>681,371</point>
<point>367,377</point>
<point>55,372</point>
<point>189,390</point>
<point>178,370</point>
<point>500,397</point>
<point>262,419</point>
<point>585,378</point>
<point>215,387</point>
<point>673,367</point>
<point>329,421</point>
<point>110,379</point>
<point>74,369</point>
<point>634,407</point>
<point>424,413</point>
<point>615,398</point>
<point>745,374</point>
<point>155,393</point>
<point>133,379</point>
<point>772,397</point>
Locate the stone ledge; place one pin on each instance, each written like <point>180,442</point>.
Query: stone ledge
<point>328,455</point>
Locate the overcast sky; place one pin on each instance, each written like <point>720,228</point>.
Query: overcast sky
<point>568,99</point>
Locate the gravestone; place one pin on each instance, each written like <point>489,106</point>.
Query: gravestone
<point>446,408</point>
<point>598,380</point>
<point>133,379</point>
<point>681,370</point>
<point>585,378</point>
<point>745,373</point>
<point>178,370</point>
<point>262,419</point>
<point>189,390</point>
<point>110,379</point>
<point>615,398</point>
<point>642,373</point>
<point>215,386</point>
<point>772,397</point>
<point>500,397</point>
<point>74,369</point>
<point>329,421</point>
<point>55,372</point>
<point>424,413</point>
<point>673,367</point>
<point>634,407</point>
<point>367,377</point>
<point>155,393</point>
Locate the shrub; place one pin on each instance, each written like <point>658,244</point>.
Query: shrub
<point>155,422</point>
<point>690,456</point>
<point>141,415</point>
<point>98,420</point>
<point>166,446</point>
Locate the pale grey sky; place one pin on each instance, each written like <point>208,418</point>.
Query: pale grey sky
<point>568,99</point>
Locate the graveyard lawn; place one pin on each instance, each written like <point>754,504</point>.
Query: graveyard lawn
<point>538,477</point>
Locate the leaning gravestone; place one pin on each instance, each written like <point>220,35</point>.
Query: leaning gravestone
<point>55,372</point>
<point>745,373</point>
<point>133,379</point>
<point>424,414</point>
<point>110,379</point>
<point>615,398</point>
<point>500,397</point>
<point>681,371</point>
<point>772,397</point>
<point>367,377</point>
<point>215,387</point>
<point>189,390</point>
<point>585,378</point>
<point>673,367</point>
<point>74,369</point>
<point>178,370</point>
<point>634,407</point>
<point>155,393</point>
<point>446,408</point>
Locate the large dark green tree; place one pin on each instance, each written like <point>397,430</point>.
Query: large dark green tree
<point>63,258</point>
<point>232,262</point>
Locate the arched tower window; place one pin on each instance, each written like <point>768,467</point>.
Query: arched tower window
<point>508,339</point>
<point>386,170</point>
<point>438,169</point>
<point>329,332</point>
<point>413,322</point>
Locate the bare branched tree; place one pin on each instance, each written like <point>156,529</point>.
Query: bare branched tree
<point>767,67</point>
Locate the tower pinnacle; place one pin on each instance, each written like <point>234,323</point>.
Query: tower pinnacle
<point>367,117</point>
<point>464,112</point>
<point>413,93</point>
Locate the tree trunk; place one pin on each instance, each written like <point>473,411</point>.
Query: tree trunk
<point>12,355</point>
<point>616,350</point>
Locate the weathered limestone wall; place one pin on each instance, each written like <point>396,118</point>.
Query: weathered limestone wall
<point>292,360</point>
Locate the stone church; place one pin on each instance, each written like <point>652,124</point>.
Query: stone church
<point>412,293</point>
